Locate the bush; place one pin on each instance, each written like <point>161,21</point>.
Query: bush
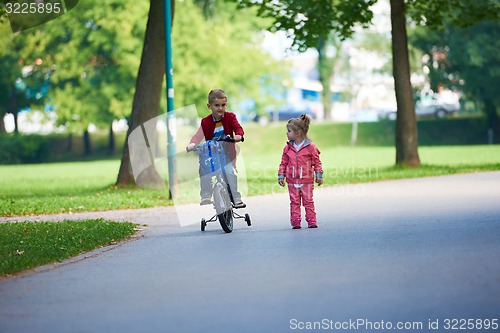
<point>431,132</point>
<point>34,148</point>
<point>459,131</point>
<point>20,148</point>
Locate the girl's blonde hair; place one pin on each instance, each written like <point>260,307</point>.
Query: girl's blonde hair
<point>300,124</point>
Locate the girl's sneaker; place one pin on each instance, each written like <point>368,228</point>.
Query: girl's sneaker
<point>312,226</point>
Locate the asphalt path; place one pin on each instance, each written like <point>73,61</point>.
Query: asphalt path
<point>401,256</point>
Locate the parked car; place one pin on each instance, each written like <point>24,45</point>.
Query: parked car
<point>389,114</point>
<point>283,114</point>
<point>426,107</point>
<point>432,107</point>
<point>364,115</point>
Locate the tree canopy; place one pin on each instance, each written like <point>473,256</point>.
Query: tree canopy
<point>305,21</point>
<point>24,81</point>
<point>95,48</point>
<point>465,59</point>
<point>89,59</point>
<point>223,50</point>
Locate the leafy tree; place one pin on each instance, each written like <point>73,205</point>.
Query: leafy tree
<point>475,56</point>
<point>326,65</point>
<point>406,121</point>
<point>95,50</point>
<point>8,75</point>
<point>214,45</point>
<point>306,21</point>
<point>92,54</point>
<point>213,55</point>
<point>466,58</point>
<point>206,6</point>
<point>23,83</point>
<point>148,88</point>
<point>460,13</point>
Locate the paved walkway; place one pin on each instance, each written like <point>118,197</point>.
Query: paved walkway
<point>412,252</point>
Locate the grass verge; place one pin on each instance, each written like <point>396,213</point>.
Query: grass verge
<point>25,245</point>
<point>85,186</point>
<point>71,187</point>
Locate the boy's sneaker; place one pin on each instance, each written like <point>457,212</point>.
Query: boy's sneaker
<point>205,201</point>
<point>238,203</point>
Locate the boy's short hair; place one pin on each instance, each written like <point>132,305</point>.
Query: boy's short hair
<point>216,93</point>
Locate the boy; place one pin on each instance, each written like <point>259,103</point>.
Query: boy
<point>217,125</point>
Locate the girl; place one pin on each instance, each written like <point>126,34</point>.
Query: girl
<point>299,164</point>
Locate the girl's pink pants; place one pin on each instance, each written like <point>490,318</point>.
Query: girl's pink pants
<point>304,194</point>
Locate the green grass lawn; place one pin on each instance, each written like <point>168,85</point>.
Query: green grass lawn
<point>25,245</point>
<point>343,165</point>
<point>69,187</point>
<point>88,186</point>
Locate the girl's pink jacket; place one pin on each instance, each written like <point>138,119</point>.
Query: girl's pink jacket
<point>300,167</point>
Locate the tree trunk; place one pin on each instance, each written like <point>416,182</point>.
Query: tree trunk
<point>15,109</point>
<point>206,7</point>
<point>406,122</point>
<point>492,119</point>
<point>325,70</point>
<point>2,123</point>
<point>148,89</point>
<point>70,142</point>
<point>16,121</point>
<point>87,146</point>
<point>111,142</point>
<point>326,66</point>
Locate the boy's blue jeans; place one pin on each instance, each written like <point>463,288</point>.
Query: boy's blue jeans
<point>232,179</point>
